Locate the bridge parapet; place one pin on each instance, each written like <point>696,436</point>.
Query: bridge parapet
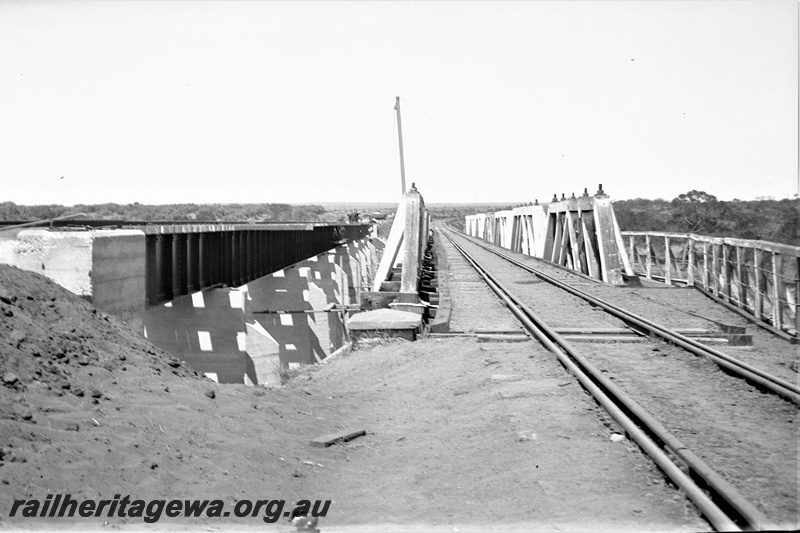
<point>580,233</point>
<point>759,278</point>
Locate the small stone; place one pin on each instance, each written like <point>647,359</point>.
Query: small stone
<point>72,426</point>
<point>525,434</point>
<point>17,337</point>
<point>96,393</point>
<point>153,466</point>
<point>8,312</point>
<point>10,379</point>
<point>616,437</point>
<point>211,394</point>
<point>83,360</point>
<point>6,297</point>
<point>35,350</point>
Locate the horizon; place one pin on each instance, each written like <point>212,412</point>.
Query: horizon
<point>346,204</point>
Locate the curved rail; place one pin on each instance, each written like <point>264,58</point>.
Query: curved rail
<point>777,385</point>
<point>725,509</point>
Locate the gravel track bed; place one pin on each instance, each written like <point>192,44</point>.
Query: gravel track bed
<point>749,437</point>
<point>684,308</point>
<point>474,305</point>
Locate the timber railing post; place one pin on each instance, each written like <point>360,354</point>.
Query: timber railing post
<point>667,261</point>
<point>776,283</point>
<point>726,272</point>
<point>797,295</point>
<point>631,251</point>
<point>742,297</point>
<point>715,267</point>
<point>649,252</point>
<point>759,297</point>
<point>690,266</point>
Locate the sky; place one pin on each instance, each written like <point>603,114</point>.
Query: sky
<point>220,102</point>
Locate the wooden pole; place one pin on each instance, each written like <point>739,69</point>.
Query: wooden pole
<point>757,271</point>
<point>726,271</point>
<point>740,271</point>
<point>797,295</point>
<point>400,138</point>
<point>776,293</point>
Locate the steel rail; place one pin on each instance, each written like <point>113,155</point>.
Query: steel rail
<point>779,386</point>
<point>622,407</point>
<point>725,493</point>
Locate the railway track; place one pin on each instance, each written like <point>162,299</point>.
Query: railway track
<point>696,452</point>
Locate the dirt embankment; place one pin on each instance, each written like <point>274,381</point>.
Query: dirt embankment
<point>90,408</point>
<point>462,435</point>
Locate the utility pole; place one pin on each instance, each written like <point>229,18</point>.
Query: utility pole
<point>400,137</point>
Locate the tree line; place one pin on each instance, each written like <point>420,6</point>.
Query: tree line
<point>176,212</point>
<point>702,213</point>
<point>693,212</point>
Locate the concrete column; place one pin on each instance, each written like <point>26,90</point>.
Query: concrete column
<point>411,245</point>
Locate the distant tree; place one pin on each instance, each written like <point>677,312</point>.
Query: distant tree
<point>697,212</point>
<point>641,214</point>
<point>205,213</point>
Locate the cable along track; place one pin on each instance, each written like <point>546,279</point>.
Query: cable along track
<point>717,499</point>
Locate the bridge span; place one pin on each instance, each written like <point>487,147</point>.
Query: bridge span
<point>757,279</point>
<point>122,267</point>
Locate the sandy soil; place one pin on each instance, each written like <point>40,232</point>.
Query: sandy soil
<point>460,434</point>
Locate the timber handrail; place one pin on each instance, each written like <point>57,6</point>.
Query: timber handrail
<point>759,278</point>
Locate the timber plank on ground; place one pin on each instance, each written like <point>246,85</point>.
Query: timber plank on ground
<point>323,441</point>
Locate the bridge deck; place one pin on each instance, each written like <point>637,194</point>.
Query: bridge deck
<point>725,419</point>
